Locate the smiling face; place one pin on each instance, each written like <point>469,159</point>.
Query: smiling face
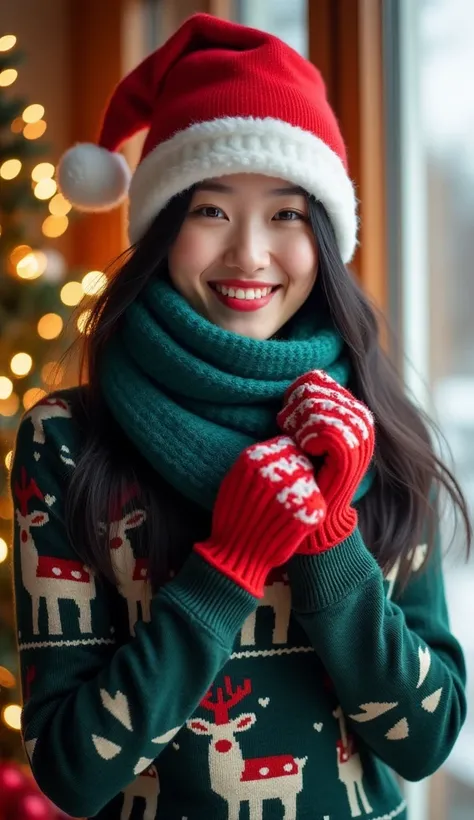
<point>246,257</point>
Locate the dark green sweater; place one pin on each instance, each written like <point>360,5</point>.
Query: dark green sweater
<point>213,705</point>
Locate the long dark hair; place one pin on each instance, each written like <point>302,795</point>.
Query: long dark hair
<point>399,510</point>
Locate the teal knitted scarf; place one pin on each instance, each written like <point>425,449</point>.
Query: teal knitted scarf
<point>192,396</point>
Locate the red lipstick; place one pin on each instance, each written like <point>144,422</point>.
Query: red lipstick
<point>240,294</point>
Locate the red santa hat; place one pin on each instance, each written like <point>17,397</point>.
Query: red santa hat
<point>217,98</point>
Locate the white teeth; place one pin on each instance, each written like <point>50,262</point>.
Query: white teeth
<point>241,293</point>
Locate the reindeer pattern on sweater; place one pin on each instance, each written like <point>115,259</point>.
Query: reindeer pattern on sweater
<point>268,738</point>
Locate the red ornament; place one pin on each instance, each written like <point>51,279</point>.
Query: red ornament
<point>34,806</point>
<point>20,797</point>
<point>12,784</point>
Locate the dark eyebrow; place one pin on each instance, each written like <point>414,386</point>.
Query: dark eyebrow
<point>294,190</point>
<point>219,187</point>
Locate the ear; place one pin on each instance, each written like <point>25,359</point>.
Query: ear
<point>102,527</point>
<point>134,519</point>
<point>199,726</point>
<point>37,519</point>
<point>243,722</point>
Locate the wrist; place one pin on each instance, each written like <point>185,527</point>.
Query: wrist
<point>232,563</point>
<point>337,527</point>
<point>325,578</point>
<point>203,593</point>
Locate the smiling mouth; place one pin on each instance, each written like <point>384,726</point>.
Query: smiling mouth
<point>245,292</point>
<point>244,298</point>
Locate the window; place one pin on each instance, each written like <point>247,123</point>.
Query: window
<point>287,20</point>
<point>429,66</point>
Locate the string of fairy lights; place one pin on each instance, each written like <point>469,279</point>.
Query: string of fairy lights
<point>29,264</point>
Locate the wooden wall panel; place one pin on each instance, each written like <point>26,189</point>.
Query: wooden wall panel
<point>321,34</point>
<point>95,67</point>
<point>345,40</point>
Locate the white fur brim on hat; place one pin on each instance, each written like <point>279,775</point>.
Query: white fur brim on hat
<point>92,178</point>
<point>244,145</point>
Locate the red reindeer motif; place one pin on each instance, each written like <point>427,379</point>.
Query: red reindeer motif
<point>131,573</point>
<point>48,577</point>
<point>239,780</point>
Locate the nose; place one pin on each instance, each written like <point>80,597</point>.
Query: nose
<point>223,746</point>
<point>248,251</point>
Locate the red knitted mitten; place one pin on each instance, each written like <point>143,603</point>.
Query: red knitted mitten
<point>326,420</point>
<point>266,505</point>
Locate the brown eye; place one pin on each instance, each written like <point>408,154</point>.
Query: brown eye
<point>288,216</point>
<point>209,211</point>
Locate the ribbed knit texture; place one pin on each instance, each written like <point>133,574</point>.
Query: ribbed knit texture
<point>192,396</point>
<point>327,422</point>
<point>267,504</point>
<point>340,570</point>
<point>220,69</point>
<point>202,702</point>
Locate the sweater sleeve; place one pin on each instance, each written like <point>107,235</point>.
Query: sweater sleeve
<point>397,670</point>
<point>89,724</point>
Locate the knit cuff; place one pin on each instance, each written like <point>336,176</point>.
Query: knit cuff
<point>319,581</point>
<point>207,595</point>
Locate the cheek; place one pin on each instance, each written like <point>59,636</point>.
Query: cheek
<point>299,259</point>
<point>191,254</point>
<point>180,262</point>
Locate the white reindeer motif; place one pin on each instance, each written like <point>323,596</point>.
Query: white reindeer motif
<point>350,769</point>
<point>235,779</point>
<point>277,596</point>
<point>51,578</point>
<point>416,557</point>
<point>146,785</point>
<point>47,408</point>
<point>131,573</point>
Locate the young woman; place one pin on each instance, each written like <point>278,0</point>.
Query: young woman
<point>228,583</point>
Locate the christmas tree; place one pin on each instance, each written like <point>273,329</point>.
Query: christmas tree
<point>37,294</point>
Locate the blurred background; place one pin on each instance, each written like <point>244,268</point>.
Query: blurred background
<point>399,76</point>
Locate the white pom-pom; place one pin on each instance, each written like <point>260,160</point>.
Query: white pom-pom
<point>92,178</point>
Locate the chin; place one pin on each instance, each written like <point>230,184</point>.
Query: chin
<point>251,327</point>
<point>251,330</point>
